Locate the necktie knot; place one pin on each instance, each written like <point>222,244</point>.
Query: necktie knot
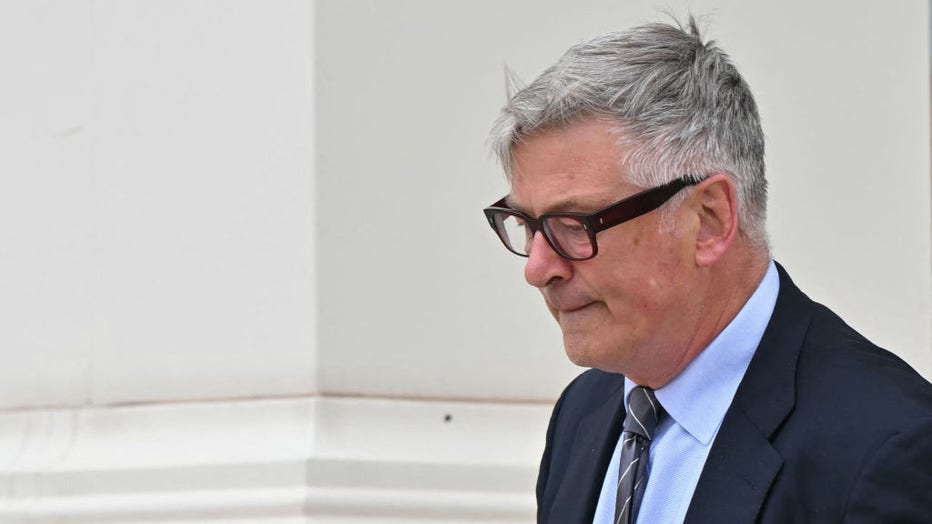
<point>643,412</point>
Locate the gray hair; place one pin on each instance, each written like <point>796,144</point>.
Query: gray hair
<point>680,104</point>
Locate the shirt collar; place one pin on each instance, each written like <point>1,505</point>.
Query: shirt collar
<point>699,396</point>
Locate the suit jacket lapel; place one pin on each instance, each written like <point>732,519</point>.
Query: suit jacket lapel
<point>742,463</point>
<point>592,449</point>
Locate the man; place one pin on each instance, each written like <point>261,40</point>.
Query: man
<point>719,391</point>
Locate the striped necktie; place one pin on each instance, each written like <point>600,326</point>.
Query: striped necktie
<point>640,421</point>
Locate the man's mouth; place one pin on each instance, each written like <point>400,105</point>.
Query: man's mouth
<point>564,308</point>
<point>574,309</point>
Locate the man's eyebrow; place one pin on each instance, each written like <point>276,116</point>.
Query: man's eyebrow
<point>566,205</point>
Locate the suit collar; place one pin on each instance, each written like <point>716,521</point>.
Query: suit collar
<point>742,463</point>
<point>592,449</point>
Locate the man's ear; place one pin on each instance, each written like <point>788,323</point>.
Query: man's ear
<point>716,202</point>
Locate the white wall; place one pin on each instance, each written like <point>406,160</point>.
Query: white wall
<point>215,295</point>
<point>158,201</point>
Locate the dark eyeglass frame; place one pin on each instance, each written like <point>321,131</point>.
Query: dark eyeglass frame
<point>614,214</point>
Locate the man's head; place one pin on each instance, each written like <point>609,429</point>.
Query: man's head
<point>678,103</point>
<point>618,115</point>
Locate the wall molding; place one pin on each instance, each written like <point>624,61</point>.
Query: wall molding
<point>285,460</point>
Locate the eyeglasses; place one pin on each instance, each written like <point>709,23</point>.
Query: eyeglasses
<point>572,235</point>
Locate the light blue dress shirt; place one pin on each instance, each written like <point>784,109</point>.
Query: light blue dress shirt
<point>695,403</point>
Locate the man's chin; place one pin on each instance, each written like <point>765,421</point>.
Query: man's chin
<point>585,354</point>
<point>582,355</point>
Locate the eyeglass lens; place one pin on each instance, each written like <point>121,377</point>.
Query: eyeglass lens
<point>569,235</point>
<point>566,234</point>
<point>515,232</point>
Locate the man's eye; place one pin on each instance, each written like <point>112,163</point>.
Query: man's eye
<point>569,225</point>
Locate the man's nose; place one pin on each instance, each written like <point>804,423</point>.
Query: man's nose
<point>544,264</point>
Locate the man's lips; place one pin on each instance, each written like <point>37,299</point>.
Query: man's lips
<point>574,309</point>
<point>569,306</point>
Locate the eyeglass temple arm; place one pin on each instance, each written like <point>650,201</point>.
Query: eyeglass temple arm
<point>641,204</point>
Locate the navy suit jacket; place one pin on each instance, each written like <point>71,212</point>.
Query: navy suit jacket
<point>824,427</point>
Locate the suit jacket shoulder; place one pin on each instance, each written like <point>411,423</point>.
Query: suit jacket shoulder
<point>819,419</point>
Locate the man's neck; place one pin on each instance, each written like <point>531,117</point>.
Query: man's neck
<point>727,287</point>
